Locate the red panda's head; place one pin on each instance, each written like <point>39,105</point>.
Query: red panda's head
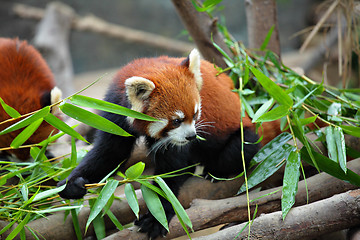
<point>169,90</point>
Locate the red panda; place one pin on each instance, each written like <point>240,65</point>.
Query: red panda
<point>26,84</point>
<point>190,99</point>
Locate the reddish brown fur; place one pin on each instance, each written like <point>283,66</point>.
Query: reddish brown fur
<point>24,78</point>
<point>220,106</point>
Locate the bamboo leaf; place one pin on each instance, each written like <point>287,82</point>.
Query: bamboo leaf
<point>174,201</point>
<point>48,193</point>
<point>273,146</point>
<point>101,200</point>
<point>274,90</point>
<point>331,145</point>
<point>263,109</point>
<point>27,121</point>
<point>89,102</point>
<point>154,205</point>
<point>26,133</point>
<point>132,199</point>
<point>329,166</point>
<point>116,222</point>
<point>57,209</point>
<point>290,182</point>
<point>267,167</point>
<point>274,114</point>
<point>76,224</point>
<point>62,126</point>
<point>267,38</point>
<point>300,134</point>
<point>9,110</point>
<point>135,170</point>
<point>19,227</point>
<point>340,147</point>
<point>92,119</point>
<point>351,130</point>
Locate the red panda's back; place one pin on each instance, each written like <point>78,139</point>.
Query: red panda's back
<point>25,79</point>
<point>24,76</point>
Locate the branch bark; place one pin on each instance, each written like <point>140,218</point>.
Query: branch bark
<point>202,28</point>
<point>52,40</point>
<point>98,25</point>
<point>329,215</point>
<point>261,16</point>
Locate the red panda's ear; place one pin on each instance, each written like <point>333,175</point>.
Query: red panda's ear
<point>55,96</point>
<point>138,89</point>
<point>193,63</point>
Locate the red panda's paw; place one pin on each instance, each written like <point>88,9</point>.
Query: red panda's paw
<point>148,224</point>
<point>75,188</point>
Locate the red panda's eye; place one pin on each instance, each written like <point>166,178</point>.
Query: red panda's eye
<point>177,122</point>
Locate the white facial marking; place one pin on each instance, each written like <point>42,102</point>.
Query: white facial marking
<point>156,127</point>
<point>178,135</point>
<point>179,114</point>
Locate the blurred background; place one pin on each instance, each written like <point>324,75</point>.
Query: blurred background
<point>93,51</point>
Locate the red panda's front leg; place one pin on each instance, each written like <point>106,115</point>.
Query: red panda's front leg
<point>108,152</point>
<point>173,158</point>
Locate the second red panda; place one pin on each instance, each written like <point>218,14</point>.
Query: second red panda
<point>190,99</point>
<point>26,84</point>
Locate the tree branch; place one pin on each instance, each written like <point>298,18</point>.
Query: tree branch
<point>329,215</point>
<point>98,25</point>
<point>202,28</point>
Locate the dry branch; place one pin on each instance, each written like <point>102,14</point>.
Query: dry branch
<point>202,28</point>
<point>98,25</point>
<point>329,215</point>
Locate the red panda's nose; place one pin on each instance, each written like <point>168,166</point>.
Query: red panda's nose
<point>191,137</point>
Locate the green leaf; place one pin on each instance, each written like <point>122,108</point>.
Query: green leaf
<point>300,134</point>
<point>101,200</point>
<point>154,205</point>
<point>135,170</point>
<point>62,126</point>
<point>267,38</point>
<point>48,193</point>
<point>274,90</point>
<point>99,227</point>
<point>115,220</point>
<point>271,147</point>
<point>329,166</point>
<point>351,130</point>
<point>109,107</point>
<point>92,119</point>
<point>9,110</point>
<point>207,5</point>
<point>132,199</point>
<point>76,224</point>
<point>268,167</point>
<point>73,156</point>
<point>308,95</point>
<point>19,227</point>
<point>26,133</point>
<point>57,209</point>
<point>274,114</point>
<point>174,201</point>
<point>331,145</point>
<point>340,147</point>
<point>27,121</point>
<point>266,106</point>
<point>290,182</point>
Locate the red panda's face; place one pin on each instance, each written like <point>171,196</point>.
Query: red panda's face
<point>172,95</point>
